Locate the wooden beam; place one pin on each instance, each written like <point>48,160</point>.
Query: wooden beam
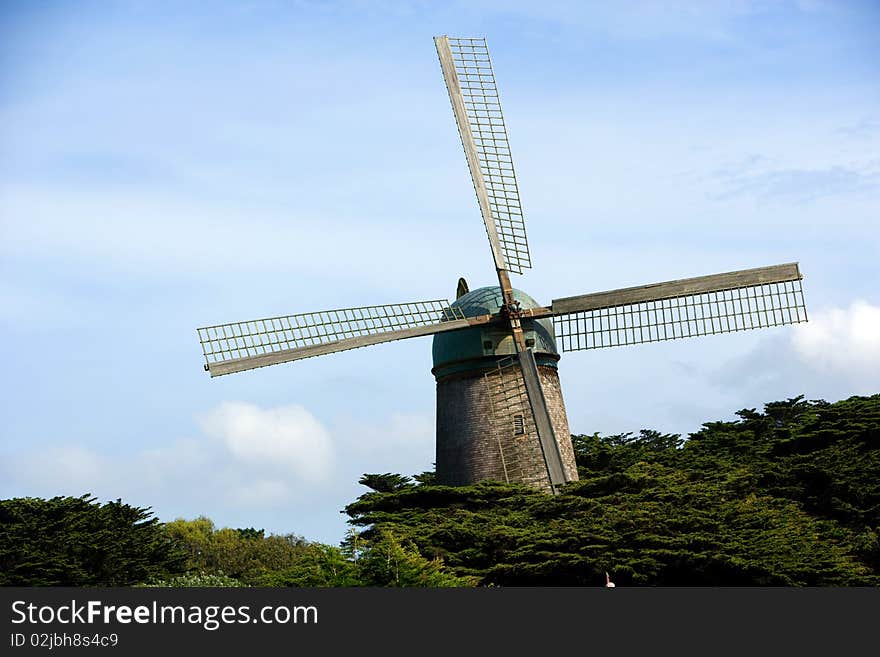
<point>543,425</point>
<point>470,148</point>
<point>680,288</point>
<point>536,313</point>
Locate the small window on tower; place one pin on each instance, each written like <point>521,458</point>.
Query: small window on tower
<point>519,427</point>
<point>530,342</point>
<point>487,344</point>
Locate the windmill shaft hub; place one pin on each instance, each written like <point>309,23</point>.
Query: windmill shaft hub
<point>480,347</point>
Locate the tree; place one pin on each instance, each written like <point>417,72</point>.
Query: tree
<point>319,565</point>
<point>385,483</point>
<point>244,554</point>
<point>392,561</point>
<point>76,541</point>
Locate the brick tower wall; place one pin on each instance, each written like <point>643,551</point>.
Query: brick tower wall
<point>472,444</point>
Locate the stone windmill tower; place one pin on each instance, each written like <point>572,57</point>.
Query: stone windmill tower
<point>483,419</point>
<point>500,412</point>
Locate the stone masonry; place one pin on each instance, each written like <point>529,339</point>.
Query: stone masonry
<point>474,444</point>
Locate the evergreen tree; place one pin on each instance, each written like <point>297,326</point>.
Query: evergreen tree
<point>76,541</point>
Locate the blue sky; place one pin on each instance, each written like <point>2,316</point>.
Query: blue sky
<point>169,165</point>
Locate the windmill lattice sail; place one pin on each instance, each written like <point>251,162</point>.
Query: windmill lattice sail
<point>470,81</point>
<point>720,303</point>
<point>240,346</point>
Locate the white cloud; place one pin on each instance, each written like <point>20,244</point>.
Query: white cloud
<point>833,356</point>
<point>841,340</point>
<point>287,438</point>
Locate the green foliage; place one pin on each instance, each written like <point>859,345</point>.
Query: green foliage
<point>253,559</point>
<point>244,554</point>
<point>76,541</point>
<point>251,534</point>
<point>391,561</point>
<point>616,453</point>
<point>319,565</point>
<point>425,478</point>
<point>787,496</point>
<point>194,580</point>
<point>823,457</point>
<point>385,483</point>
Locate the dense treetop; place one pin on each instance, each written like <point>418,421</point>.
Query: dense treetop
<point>76,541</point>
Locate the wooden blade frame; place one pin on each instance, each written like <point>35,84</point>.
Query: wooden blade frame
<point>287,355</point>
<point>240,346</point>
<point>720,303</point>
<point>541,416</point>
<point>470,81</point>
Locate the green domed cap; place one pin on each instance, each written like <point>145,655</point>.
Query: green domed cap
<point>480,347</point>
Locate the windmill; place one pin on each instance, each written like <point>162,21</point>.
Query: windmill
<point>500,413</point>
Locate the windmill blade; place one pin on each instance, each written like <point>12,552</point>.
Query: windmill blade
<point>518,402</point>
<point>470,81</point>
<point>240,346</point>
<point>541,417</point>
<point>720,303</point>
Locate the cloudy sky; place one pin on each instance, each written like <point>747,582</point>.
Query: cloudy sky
<point>168,165</point>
